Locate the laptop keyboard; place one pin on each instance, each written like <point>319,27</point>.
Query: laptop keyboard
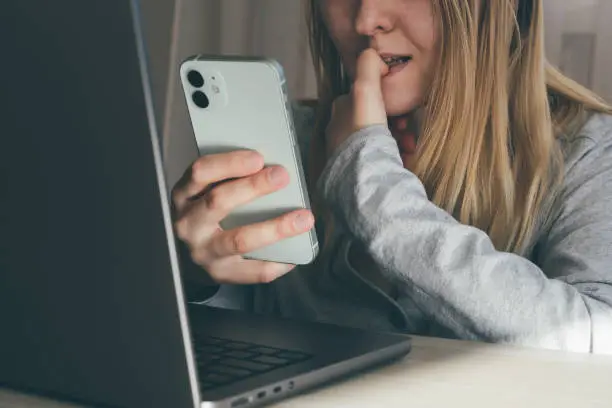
<point>223,361</point>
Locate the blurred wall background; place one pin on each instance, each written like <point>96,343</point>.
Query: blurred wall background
<point>578,40</point>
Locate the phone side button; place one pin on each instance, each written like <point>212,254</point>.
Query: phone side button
<point>284,87</point>
<point>291,124</point>
<point>298,158</point>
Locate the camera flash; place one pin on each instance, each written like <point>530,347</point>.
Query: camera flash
<point>215,89</point>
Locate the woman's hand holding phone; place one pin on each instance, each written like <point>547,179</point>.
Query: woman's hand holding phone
<point>208,191</point>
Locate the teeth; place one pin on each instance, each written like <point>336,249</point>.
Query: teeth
<point>396,60</point>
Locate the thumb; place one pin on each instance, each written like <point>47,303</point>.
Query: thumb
<point>368,103</point>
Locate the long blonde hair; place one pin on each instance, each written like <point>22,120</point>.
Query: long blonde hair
<point>487,152</point>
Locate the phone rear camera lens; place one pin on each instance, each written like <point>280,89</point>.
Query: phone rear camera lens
<point>200,99</point>
<point>195,79</point>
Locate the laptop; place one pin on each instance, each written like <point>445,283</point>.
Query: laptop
<point>91,299</point>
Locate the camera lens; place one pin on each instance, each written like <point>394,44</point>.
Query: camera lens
<point>200,99</point>
<point>195,79</point>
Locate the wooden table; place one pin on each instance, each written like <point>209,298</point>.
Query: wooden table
<point>445,373</point>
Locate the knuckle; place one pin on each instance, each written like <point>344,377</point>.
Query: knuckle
<point>215,199</point>
<point>260,182</point>
<point>182,228</point>
<point>282,228</point>
<point>239,243</point>
<point>287,226</point>
<point>200,167</point>
<point>199,257</point>
<point>177,200</point>
<point>370,52</point>
<point>193,231</point>
<point>196,166</point>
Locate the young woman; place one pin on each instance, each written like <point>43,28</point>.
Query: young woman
<point>463,185</point>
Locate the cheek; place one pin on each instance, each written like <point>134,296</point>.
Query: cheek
<point>425,36</point>
<point>419,25</point>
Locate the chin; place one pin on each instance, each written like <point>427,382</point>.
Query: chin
<point>400,104</point>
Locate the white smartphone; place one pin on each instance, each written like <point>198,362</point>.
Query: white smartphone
<point>240,103</point>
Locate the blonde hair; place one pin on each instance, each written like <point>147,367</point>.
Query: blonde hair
<point>487,152</point>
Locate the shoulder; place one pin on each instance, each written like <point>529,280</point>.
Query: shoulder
<point>591,143</point>
<point>581,202</point>
<point>598,127</point>
<point>588,169</point>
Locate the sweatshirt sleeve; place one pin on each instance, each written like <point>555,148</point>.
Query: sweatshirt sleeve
<point>454,273</point>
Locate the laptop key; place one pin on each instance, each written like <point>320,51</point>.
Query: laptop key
<point>211,341</point>
<point>290,355</point>
<point>206,359</point>
<point>227,370</point>
<point>206,385</point>
<point>265,350</point>
<point>239,354</point>
<point>216,378</point>
<point>224,361</point>
<point>209,349</point>
<point>237,346</point>
<point>271,360</point>
<point>249,365</point>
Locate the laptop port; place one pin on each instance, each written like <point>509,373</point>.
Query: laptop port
<point>240,402</point>
<point>277,389</point>
<point>261,394</point>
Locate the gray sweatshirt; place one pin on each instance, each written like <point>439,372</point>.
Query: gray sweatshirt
<point>452,281</point>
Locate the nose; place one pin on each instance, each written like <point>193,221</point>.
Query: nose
<point>372,18</point>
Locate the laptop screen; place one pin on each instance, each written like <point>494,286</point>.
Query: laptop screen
<point>84,247</point>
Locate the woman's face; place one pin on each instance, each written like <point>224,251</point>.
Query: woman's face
<point>404,34</point>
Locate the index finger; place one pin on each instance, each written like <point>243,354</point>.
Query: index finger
<point>214,168</point>
<point>370,70</point>
<point>368,103</point>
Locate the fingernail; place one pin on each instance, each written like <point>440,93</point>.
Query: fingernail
<point>277,176</point>
<point>303,221</point>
